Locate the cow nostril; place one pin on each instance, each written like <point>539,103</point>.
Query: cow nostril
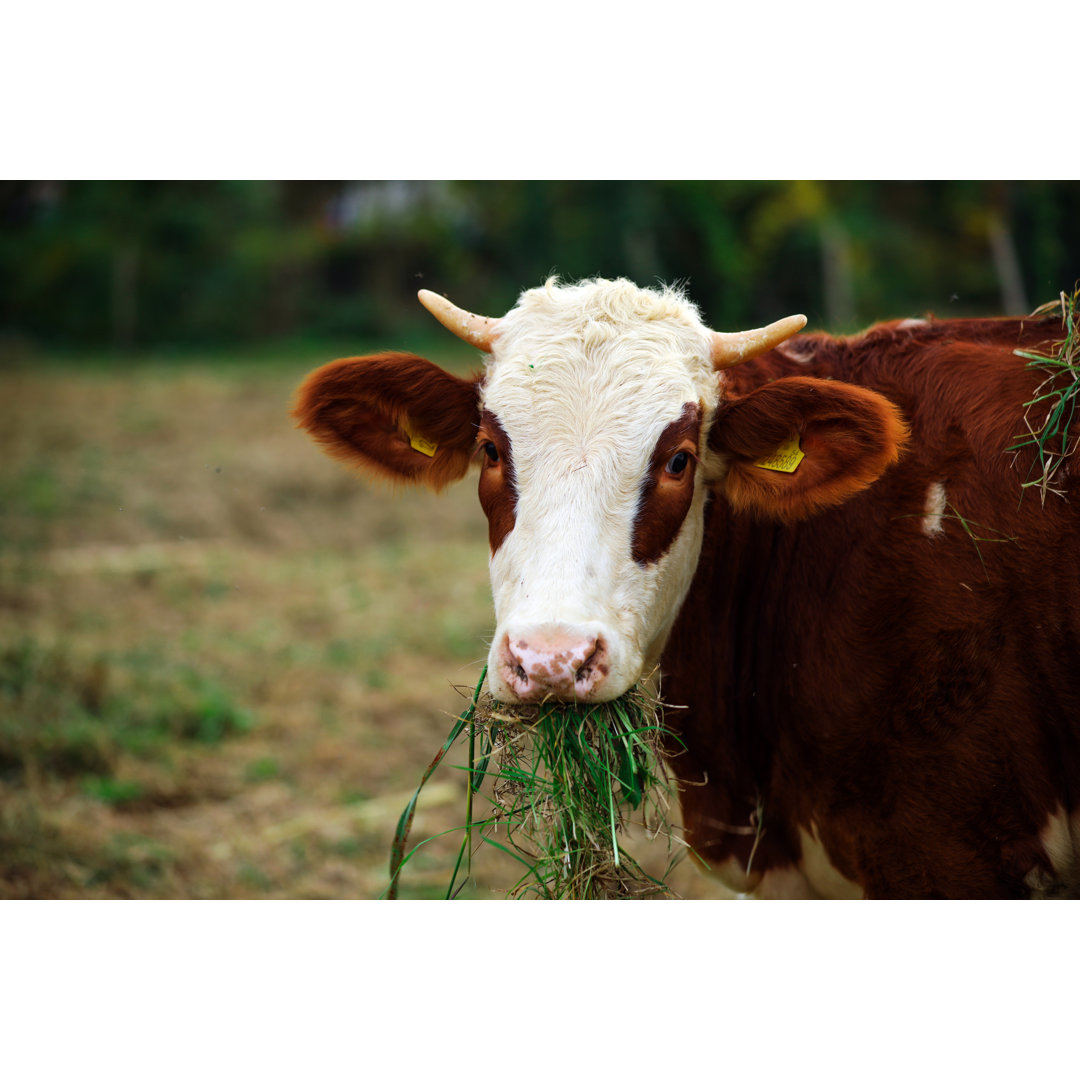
<point>519,671</point>
<point>586,670</point>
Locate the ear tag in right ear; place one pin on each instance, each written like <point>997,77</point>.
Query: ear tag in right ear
<point>418,442</point>
<point>785,458</point>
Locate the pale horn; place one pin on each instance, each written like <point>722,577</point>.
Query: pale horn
<point>731,349</point>
<point>475,329</point>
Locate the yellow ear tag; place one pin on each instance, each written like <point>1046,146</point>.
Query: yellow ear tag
<point>418,442</point>
<point>785,458</point>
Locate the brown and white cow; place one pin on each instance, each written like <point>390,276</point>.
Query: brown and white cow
<point>872,637</point>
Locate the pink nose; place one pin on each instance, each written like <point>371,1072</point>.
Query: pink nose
<point>553,663</point>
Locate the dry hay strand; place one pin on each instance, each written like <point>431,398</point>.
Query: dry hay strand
<point>1049,416</point>
<point>563,782</point>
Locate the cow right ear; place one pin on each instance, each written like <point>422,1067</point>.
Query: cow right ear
<point>396,415</point>
<point>796,446</point>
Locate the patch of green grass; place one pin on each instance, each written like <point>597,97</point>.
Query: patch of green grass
<point>422,891</point>
<point>215,589</point>
<point>205,712</point>
<point>39,858</point>
<point>67,715</point>
<point>38,489</point>
<point>109,789</point>
<point>376,679</point>
<point>341,653</point>
<point>140,859</point>
<point>253,877</point>
<point>266,768</point>
<point>51,715</point>
<point>357,847</point>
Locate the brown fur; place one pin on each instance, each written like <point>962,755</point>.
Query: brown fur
<point>915,698</point>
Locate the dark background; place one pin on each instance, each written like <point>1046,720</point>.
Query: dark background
<point>148,265</point>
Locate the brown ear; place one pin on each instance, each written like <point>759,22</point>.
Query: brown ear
<point>396,415</point>
<point>849,436</point>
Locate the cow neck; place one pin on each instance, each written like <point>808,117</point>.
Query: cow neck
<point>725,704</point>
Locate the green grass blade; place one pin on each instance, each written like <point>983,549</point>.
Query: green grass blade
<point>401,833</point>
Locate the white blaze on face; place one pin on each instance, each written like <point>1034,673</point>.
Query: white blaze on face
<point>594,394</point>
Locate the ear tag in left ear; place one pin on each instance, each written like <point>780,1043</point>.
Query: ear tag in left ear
<point>785,458</point>
<point>418,442</point>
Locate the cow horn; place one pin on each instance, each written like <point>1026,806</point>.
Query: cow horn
<point>475,329</point>
<point>731,349</point>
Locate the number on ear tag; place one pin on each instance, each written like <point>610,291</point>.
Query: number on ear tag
<point>785,458</point>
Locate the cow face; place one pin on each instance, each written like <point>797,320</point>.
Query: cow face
<point>593,415</point>
<point>599,425</point>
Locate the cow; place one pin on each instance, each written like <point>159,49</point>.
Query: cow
<point>864,623</point>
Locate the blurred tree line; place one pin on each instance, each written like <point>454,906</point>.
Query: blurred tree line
<point>140,264</point>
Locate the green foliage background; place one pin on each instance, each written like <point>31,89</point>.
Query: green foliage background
<point>132,264</point>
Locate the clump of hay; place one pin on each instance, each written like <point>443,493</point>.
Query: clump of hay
<point>1049,416</point>
<point>563,781</point>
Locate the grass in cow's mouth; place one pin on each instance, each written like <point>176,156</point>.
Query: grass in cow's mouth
<point>562,780</point>
<point>1050,414</point>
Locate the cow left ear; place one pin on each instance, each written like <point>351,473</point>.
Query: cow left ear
<point>393,415</point>
<point>796,446</point>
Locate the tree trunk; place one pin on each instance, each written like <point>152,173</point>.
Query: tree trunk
<point>1007,266</point>
<point>837,278</point>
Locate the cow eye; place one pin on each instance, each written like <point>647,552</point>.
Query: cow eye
<point>492,452</point>
<point>678,463</point>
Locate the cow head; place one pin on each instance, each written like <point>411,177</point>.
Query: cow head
<point>600,424</point>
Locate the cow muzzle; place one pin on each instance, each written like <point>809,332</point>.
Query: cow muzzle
<point>566,663</point>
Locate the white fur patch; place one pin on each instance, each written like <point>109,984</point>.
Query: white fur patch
<point>910,324</point>
<point>584,379</point>
<point>934,510</point>
<point>814,878</point>
<point>787,883</point>
<point>826,881</point>
<point>1060,838</point>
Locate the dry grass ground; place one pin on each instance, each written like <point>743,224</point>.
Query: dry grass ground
<point>224,661</point>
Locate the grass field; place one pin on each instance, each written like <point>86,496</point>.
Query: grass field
<point>224,660</point>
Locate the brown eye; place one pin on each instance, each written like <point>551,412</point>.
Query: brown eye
<point>492,452</point>
<point>678,463</point>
